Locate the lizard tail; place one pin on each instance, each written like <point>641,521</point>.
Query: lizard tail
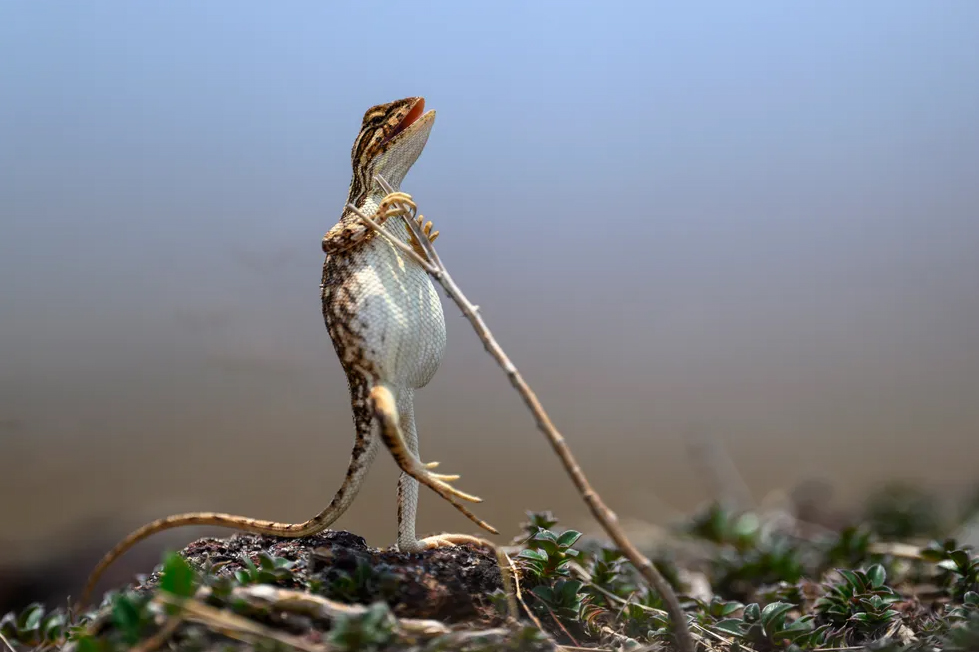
<point>364,450</point>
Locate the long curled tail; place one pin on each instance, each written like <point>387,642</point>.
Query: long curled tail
<point>243,523</point>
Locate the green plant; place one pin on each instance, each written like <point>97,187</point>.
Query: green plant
<point>362,584</point>
<point>901,511</point>
<point>959,572</point>
<point>270,570</point>
<point>547,555</point>
<point>34,626</point>
<point>367,631</point>
<point>963,637</point>
<point>735,573</point>
<point>535,522</point>
<point>644,617</point>
<point>564,598</point>
<point>608,574</point>
<point>178,577</point>
<point>968,609</point>
<point>850,547</point>
<point>771,625</point>
<point>723,526</point>
<point>860,601</point>
<point>719,614</point>
<point>748,555</point>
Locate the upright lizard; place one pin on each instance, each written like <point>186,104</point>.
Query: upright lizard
<point>387,326</point>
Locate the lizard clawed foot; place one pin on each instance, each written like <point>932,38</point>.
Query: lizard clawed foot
<point>439,482</point>
<point>386,411</point>
<point>427,230</point>
<point>447,478</point>
<point>393,205</point>
<point>401,204</point>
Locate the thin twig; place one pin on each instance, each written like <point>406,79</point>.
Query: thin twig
<point>508,573</point>
<point>660,612</point>
<point>397,242</point>
<point>233,625</point>
<point>7,643</point>
<point>557,621</point>
<point>519,596</point>
<point>601,513</point>
<point>318,607</point>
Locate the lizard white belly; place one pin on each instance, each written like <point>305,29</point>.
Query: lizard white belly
<point>401,321</point>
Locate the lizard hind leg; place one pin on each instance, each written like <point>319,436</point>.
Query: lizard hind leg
<point>386,411</point>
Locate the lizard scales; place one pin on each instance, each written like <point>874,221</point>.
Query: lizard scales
<point>388,329</point>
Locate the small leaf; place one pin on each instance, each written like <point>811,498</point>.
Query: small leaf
<point>729,608</point>
<point>568,539</point>
<point>877,575</point>
<point>32,617</point>
<point>567,589</point>
<point>752,612</point>
<point>746,525</point>
<point>530,553</point>
<point>178,576</point>
<point>960,557</point>
<point>850,576</point>
<point>774,610</point>
<point>546,535</point>
<point>733,626</point>
<point>543,592</point>
<point>87,644</point>
<point>874,603</point>
<point>52,625</point>
<point>125,616</point>
<point>932,553</point>
<point>791,632</point>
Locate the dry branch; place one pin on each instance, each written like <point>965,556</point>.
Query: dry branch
<point>608,520</point>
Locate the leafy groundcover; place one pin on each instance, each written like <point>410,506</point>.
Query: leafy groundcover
<point>893,579</point>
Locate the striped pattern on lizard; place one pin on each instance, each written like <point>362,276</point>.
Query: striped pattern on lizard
<point>388,330</point>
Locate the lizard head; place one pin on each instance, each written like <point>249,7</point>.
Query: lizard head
<point>391,138</point>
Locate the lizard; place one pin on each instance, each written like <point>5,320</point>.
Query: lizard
<point>388,330</point>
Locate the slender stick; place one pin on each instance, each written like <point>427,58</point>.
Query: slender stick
<point>605,516</point>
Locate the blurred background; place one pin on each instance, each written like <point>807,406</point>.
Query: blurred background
<point>753,225</point>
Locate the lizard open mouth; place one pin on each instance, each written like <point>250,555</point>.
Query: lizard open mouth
<point>416,111</point>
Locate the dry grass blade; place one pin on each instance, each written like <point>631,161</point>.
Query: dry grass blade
<point>508,573</point>
<point>234,626</point>
<point>601,513</point>
<point>315,606</point>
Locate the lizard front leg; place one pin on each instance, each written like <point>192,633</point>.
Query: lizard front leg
<point>350,230</point>
<point>347,233</point>
<point>400,203</point>
<point>386,411</point>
